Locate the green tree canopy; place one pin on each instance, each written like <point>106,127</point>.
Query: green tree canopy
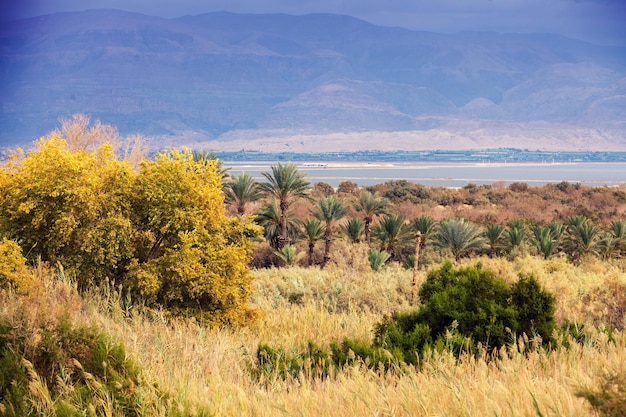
<point>312,231</point>
<point>329,210</point>
<point>370,205</point>
<point>285,183</point>
<point>241,190</point>
<point>460,237</point>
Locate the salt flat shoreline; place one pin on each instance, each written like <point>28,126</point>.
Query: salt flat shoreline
<point>415,164</point>
<point>448,173</point>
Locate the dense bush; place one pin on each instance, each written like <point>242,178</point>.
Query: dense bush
<point>318,362</point>
<point>190,255</point>
<point>465,310</point>
<point>352,352</point>
<point>70,207</point>
<point>470,308</point>
<point>314,362</point>
<point>403,190</point>
<point>161,231</point>
<point>65,369</point>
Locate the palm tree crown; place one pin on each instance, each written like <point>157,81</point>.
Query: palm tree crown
<point>460,237</point>
<point>204,157</point>
<point>371,205</point>
<point>241,190</point>
<point>312,231</point>
<point>285,183</point>
<point>328,210</point>
<point>354,229</point>
<point>427,226</point>
<point>270,218</point>
<point>494,234</point>
<point>392,232</point>
<point>583,237</point>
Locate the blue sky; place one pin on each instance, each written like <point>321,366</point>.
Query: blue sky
<point>598,20</point>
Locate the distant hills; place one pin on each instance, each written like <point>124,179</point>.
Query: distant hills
<point>231,81</point>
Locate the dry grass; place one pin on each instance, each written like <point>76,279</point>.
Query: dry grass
<point>206,370</point>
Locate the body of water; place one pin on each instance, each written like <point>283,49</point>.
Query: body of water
<point>448,174</point>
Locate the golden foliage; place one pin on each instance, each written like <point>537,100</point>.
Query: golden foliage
<point>161,231</point>
<point>69,207</point>
<point>13,271</point>
<point>192,255</point>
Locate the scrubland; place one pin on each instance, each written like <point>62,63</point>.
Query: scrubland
<point>156,287</point>
<point>190,369</point>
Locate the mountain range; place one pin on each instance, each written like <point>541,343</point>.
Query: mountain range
<point>226,81</point>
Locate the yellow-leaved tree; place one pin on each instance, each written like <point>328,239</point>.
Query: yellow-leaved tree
<point>69,207</point>
<point>162,231</point>
<point>189,254</point>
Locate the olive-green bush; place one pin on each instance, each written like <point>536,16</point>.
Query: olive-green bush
<point>464,310</point>
<point>469,309</point>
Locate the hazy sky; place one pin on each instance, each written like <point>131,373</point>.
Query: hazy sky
<point>599,20</point>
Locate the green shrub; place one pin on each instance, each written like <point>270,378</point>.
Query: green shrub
<point>64,370</point>
<point>465,310</point>
<point>318,362</point>
<point>313,362</point>
<point>404,336</point>
<point>535,308</point>
<point>468,309</point>
<point>573,331</point>
<point>13,379</point>
<point>377,258</point>
<point>352,352</point>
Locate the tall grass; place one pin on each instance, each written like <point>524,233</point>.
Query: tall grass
<point>206,371</point>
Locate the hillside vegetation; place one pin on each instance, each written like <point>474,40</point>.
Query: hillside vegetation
<point>128,289</point>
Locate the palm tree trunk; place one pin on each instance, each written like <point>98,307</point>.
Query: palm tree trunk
<point>367,221</point>
<point>284,239</point>
<point>311,249</point>
<point>418,244</point>
<point>328,236</point>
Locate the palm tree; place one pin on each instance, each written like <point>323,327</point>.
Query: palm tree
<point>285,183</point>
<point>371,205</point>
<point>556,230</point>
<point>270,218</point>
<point>460,237</point>
<point>289,255</point>
<point>608,246</point>
<point>576,221</point>
<point>392,232</point>
<point>241,190</point>
<point>427,226</point>
<point>494,234</point>
<point>583,238</point>
<point>617,229</point>
<point>329,210</point>
<point>377,258</point>
<point>313,230</point>
<point>354,229</point>
<point>545,241</point>
<point>516,234</point>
